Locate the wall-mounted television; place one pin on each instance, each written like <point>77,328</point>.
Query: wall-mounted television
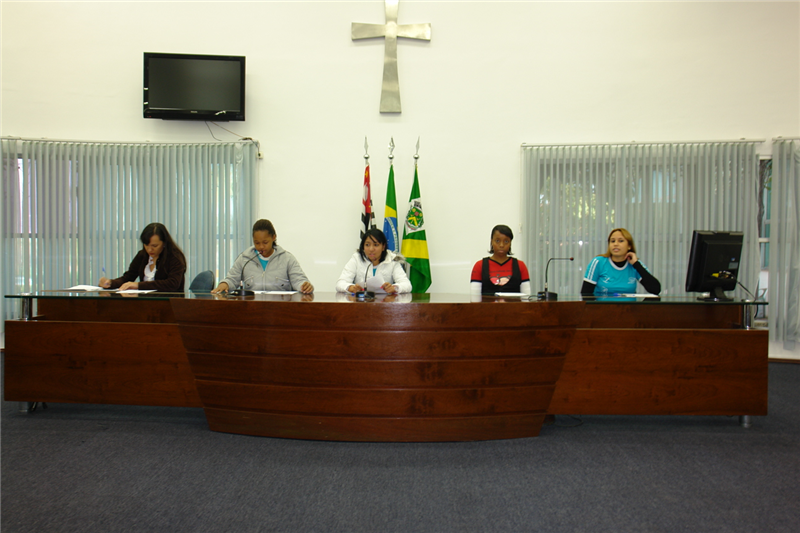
<point>714,263</point>
<point>193,87</point>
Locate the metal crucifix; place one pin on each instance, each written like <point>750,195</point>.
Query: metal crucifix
<point>390,91</point>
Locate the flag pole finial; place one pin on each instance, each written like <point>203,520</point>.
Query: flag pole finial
<point>391,149</point>
<point>416,156</point>
<point>366,151</point>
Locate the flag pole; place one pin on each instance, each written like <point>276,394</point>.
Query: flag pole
<point>367,215</point>
<point>415,242</point>
<point>390,209</point>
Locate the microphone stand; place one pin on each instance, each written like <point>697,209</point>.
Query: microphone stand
<point>241,291</point>
<point>365,294</point>
<point>546,295</point>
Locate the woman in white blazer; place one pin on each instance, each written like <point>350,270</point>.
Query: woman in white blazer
<point>373,259</point>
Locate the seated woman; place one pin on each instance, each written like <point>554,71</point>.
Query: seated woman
<point>159,265</point>
<point>617,271</point>
<point>265,266</point>
<point>373,259</point>
<point>499,272</point>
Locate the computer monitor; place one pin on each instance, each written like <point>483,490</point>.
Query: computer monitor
<point>714,263</point>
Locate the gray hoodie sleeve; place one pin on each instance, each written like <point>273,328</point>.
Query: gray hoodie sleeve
<point>296,275</point>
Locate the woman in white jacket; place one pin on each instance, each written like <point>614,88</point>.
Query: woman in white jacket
<point>373,259</point>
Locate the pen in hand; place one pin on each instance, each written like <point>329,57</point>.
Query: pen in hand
<point>104,280</point>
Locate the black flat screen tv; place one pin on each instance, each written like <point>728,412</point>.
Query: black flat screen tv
<point>714,263</point>
<point>193,87</point>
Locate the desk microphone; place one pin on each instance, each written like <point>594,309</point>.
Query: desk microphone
<point>545,294</point>
<point>241,291</point>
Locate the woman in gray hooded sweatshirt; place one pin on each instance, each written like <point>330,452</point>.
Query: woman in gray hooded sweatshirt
<point>265,266</point>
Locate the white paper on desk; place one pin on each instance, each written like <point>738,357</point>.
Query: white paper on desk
<point>511,294</point>
<point>136,291</point>
<point>88,288</point>
<point>275,292</point>
<point>637,295</point>
<point>375,283</point>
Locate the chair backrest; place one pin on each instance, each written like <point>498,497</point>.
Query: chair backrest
<point>203,282</point>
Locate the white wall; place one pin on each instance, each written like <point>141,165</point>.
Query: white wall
<point>495,75</point>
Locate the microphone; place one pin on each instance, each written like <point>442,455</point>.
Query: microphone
<point>545,294</point>
<point>365,294</point>
<point>241,291</point>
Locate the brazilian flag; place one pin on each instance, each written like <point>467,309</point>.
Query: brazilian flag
<point>390,216</point>
<point>415,243</point>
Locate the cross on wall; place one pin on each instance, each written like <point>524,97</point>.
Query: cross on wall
<point>390,90</point>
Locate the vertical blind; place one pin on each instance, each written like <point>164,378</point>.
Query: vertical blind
<point>573,196</point>
<point>72,210</point>
<point>784,244</point>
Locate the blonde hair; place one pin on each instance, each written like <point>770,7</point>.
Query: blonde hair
<point>628,237</point>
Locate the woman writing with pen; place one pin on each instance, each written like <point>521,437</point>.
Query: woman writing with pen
<point>265,266</point>
<point>159,265</point>
<point>617,271</point>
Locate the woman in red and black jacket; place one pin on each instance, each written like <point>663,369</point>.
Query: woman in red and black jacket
<point>500,272</point>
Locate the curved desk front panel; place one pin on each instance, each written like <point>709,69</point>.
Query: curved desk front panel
<point>376,371</point>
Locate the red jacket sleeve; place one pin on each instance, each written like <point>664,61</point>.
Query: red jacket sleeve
<point>477,272</point>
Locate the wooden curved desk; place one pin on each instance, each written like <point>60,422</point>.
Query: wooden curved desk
<point>435,368</point>
<point>376,371</point>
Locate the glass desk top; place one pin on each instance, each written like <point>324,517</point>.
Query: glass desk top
<point>685,298</point>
